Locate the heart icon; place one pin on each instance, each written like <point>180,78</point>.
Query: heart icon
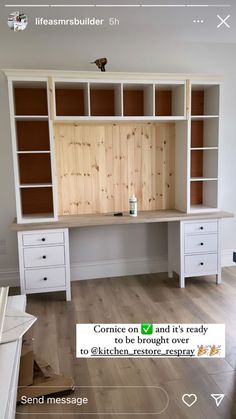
<point>189,399</point>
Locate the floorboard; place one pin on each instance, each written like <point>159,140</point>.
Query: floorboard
<point>136,299</point>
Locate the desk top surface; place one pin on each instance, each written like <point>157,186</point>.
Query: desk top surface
<point>72,221</point>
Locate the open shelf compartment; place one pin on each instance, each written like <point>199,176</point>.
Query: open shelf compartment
<point>205,133</point>
<point>204,164</point>
<point>30,98</point>
<point>170,100</point>
<point>203,195</point>
<point>205,99</point>
<point>34,168</point>
<point>32,135</point>
<point>71,99</point>
<point>137,100</point>
<point>36,201</point>
<point>105,99</point>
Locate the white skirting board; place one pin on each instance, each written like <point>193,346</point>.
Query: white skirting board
<point>118,267</point>
<point>112,267</point>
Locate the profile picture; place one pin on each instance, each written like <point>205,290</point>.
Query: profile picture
<point>17,21</point>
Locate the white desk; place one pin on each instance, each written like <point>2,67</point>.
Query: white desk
<point>194,247</point>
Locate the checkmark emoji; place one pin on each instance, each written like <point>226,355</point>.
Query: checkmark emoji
<point>146,328</point>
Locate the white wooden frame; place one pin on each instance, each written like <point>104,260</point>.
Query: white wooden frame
<point>13,119</point>
<point>21,246</point>
<point>183,123</point>
<point>204,208</point>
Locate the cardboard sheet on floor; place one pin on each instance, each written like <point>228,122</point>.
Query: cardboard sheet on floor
<point>26,375</point>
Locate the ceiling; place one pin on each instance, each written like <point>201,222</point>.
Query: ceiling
<point>147,27</point>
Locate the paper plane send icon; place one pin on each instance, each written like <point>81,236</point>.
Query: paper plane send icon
<point>218,398</point>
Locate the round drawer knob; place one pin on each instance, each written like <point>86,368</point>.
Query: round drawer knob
<point>201,228</point>
<point>44,257</point>
<point>201,263</point>
<point>43,239</point>
<point>45,278</point>
<point>202,244</point>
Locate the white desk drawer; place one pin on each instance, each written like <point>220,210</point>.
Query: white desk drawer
<point>44,256</point>
<point>201,227</point>
<point>45,278</point>
<point>42,238</point>
<point>200,264</point>
<point>200,243</point>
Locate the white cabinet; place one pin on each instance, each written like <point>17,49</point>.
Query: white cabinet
<point>194,249</point>
<point>44,261</point>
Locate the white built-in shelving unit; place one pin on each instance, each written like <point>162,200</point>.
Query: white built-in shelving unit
<point>32,150</point>
<point>38,103</point>
<point>204,146</point>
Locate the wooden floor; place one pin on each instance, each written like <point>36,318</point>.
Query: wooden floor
<point>137,299</point>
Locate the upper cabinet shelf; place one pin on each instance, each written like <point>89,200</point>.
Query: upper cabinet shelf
<point>71,99</point>
<point>105,99</point>
<point>30,99</point>
<point>87,100</point>
<point>69,129</point>
<point>170,100</point>
<point>204,100</point>
<point>137,100</point>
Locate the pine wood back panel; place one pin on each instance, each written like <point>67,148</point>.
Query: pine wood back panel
<point>100,166</point>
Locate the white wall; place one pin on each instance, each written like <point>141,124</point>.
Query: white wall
<point>131,246</point>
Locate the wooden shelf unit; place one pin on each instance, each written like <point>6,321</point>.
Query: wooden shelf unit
<point>83,143</point>
<point>204,146</point>
<point>106,130</point>
<point>32,150</point>
<point>93,99</point>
